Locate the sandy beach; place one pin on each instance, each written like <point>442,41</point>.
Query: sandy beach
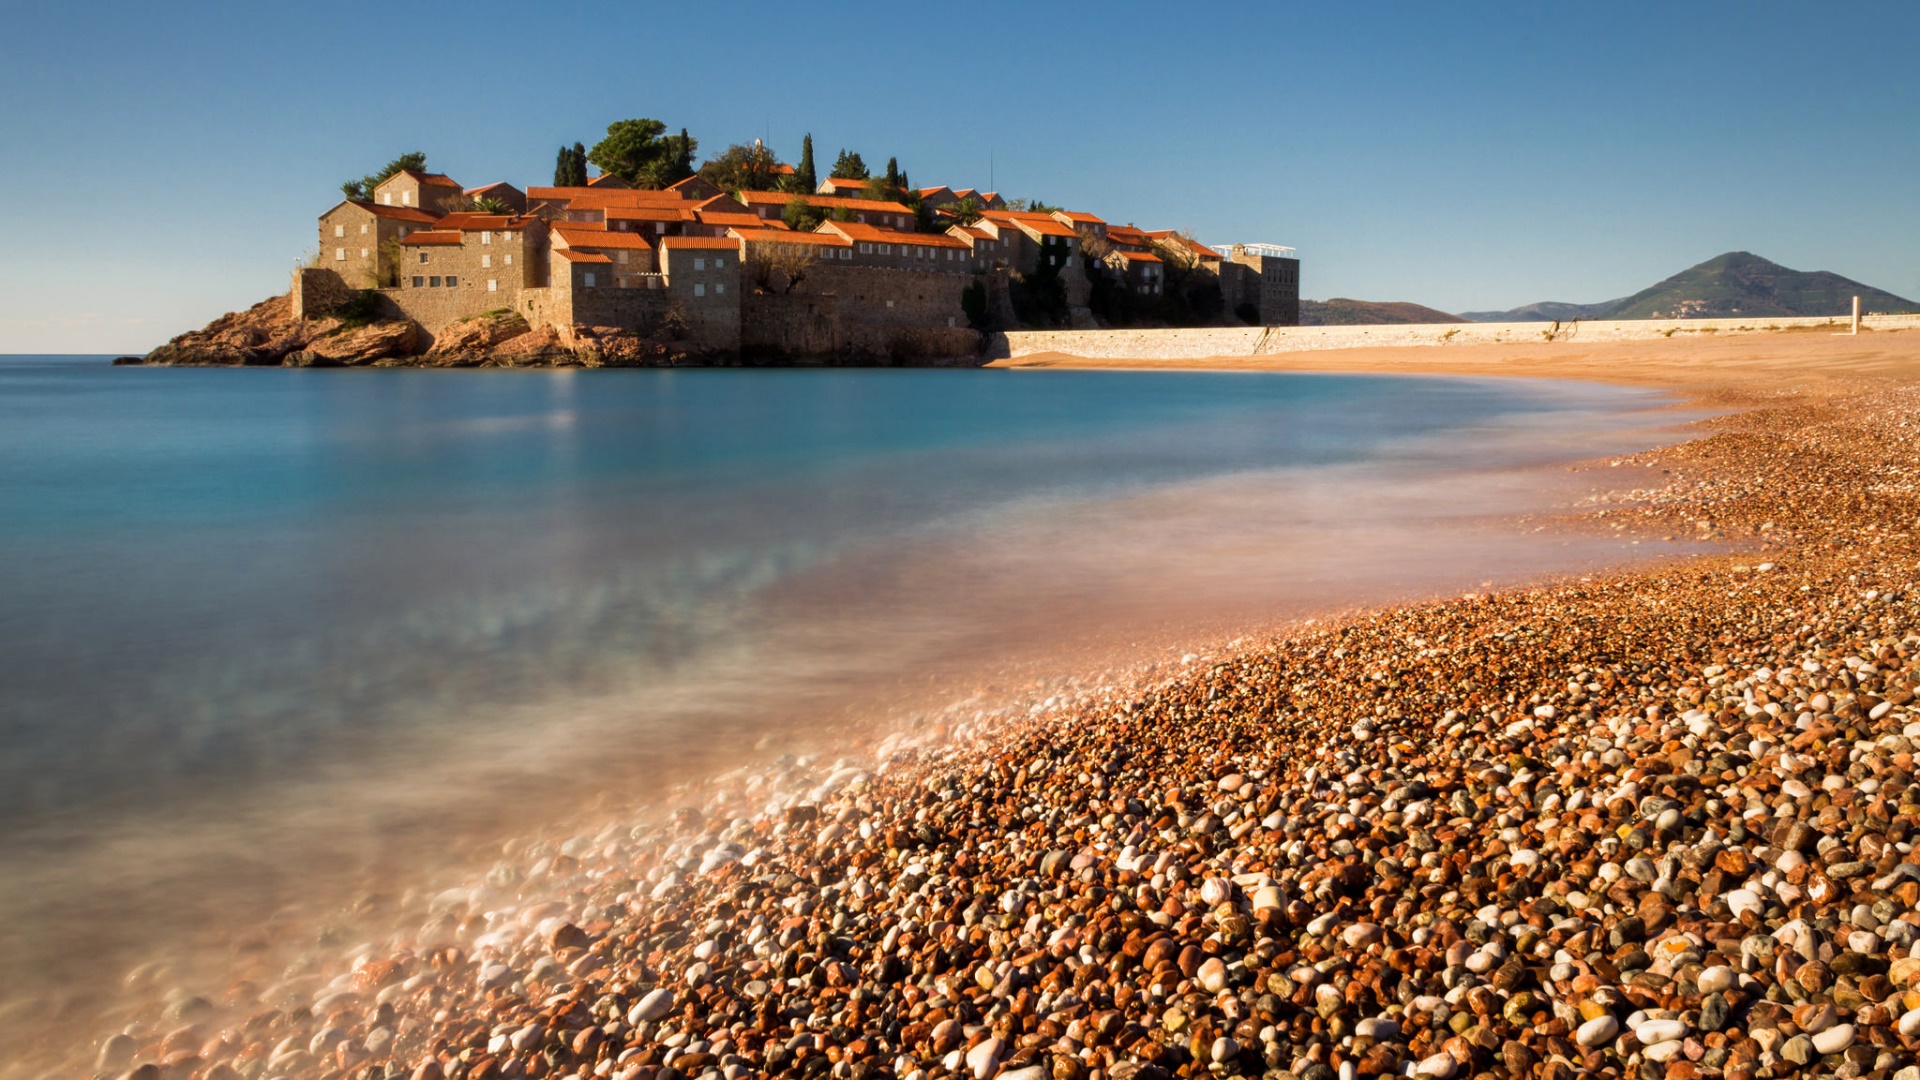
<point>1655,823</point>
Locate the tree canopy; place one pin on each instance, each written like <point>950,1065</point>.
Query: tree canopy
<point>803,174</point>
<point>640,152</point>
<point>742,168</point>
<point>363,188</point>
<point>849,166</point>
<point>570,167</point>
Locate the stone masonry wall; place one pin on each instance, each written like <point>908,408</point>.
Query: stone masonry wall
<point>317,292</point>
<point>1200,343</point>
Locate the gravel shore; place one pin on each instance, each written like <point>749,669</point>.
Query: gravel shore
<point>1650,824</point>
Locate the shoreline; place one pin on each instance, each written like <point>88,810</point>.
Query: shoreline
<point>994,868</point>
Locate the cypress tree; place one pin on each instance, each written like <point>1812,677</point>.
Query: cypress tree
<point>563,167</point>
<point>579,173</point>
<point>804,174</point>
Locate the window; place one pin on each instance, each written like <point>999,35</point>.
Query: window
<point>486,261</point>
<point>699,289</point>
<point>433,282</point>
<point>340,254</point>
<point>589,279</point>
<point>718,262</point>
<point>363,230</point>
<point>720,288</point>
<point>509,260</point>
<point>506,238</point>
<point>493,285</point>
<point>486,238</point>
<point>339,230</point>
<point>417,282</point>
<point>621,256</point>
<point>866,249</point>
<point>846,253</point>
<point>699,263</point>
<point>406,198</point>
<point>423,256</point>
<point>659,228</point>
<point>886,249</point>
<point>363,253</point>
<point>452,281</point>
<point>387,198</point>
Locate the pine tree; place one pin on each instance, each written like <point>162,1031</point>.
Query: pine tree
<point>804,174</point>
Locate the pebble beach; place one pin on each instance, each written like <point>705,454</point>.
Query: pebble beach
<point>1655,823</point>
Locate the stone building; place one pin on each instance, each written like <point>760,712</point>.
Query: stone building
<point>359,240</point>
<point>432,192</point>
<point>1264,278</point>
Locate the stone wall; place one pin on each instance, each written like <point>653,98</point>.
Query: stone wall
<point>318,292</point>
<point>1200,343</point>
<point>848,311</point>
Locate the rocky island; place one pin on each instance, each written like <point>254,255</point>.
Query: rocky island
<point>747,260</point>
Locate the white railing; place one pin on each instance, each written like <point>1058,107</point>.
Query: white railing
<point>1265,251</point>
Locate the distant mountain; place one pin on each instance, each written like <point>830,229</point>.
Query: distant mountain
<point>1341,311</point>
<point>1738,284</point>
<point>1544,311</point>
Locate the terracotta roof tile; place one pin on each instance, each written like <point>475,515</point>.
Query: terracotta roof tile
<point>431,179</point>
<point>576,255</point>
<point>431,236</point>
<point>778,236</point>
<point>1043,227</point>
<point>467,222</point>
<point>827,202</point>
<point>647,213</point>
<point>1077,217</point>
<point>853,230</point>
<point>600,238</point>
<point>738,221</point>
<point>724,243</point>
<point>1138,256</point>
<point>394,213</point>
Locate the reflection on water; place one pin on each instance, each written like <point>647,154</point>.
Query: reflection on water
<point>276,640</point>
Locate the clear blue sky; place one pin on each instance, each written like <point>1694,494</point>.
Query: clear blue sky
<point>162,164</point>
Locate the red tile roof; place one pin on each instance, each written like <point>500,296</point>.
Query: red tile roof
<point>489,187</point>
<point>431,179</point>
<point>853,230</point>
<point>777,236</point>
<point>738,221</point>
<point>430,236</point>
<point>600,238</point>
<point>1045,226</point>
<point>467,222</point>
<point>1138,256</point>
<point>827,202</point>
<point>576,255</point>
<point>708,242</point>
<point>393,213</point>
<point>647,213</point>
<point>1077,218</point>
<point>845,183</point>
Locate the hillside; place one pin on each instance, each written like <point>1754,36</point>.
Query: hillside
<point>1544,311</point>
<point>1341,311</point>
<point>1737,284</point>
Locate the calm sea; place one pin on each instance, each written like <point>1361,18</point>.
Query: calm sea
<point>267,636</point>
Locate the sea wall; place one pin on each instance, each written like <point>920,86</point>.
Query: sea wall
<point>1199,343</point>
<point>904,315</point>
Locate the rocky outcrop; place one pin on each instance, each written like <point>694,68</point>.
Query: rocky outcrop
<point>267,335</point>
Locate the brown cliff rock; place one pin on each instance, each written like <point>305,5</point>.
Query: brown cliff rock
<point>474,341</point>
<point>267,334</point>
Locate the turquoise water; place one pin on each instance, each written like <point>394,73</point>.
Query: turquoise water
<point>264,627</point>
